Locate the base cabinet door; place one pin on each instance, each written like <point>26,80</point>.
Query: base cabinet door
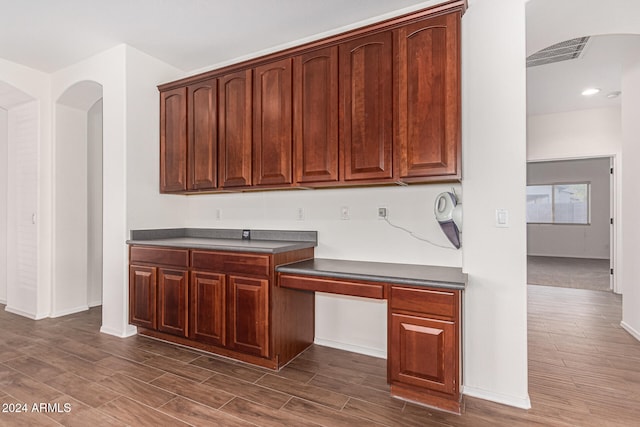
<point>142,296</point>
<point>423,352</point>
<point>207,308</point>
<point>249,315</point>
<point>172,301</point>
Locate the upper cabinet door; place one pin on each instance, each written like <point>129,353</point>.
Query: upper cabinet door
<point>428,98</point>
<point>315,92</point>
<point>366,102</point>
<point>173,140</point>
<point>203,135</point>
<point>272,123</point>
<point>235,129</point>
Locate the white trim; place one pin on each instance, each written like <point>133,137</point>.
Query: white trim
<point>518,402</point>
<point>95,303</point>
<point>3,301</point>
<point>630,329</point>
<point>24,313</point>
<point>69,311</point>
<point>353,348</point>
<point>128,332</point>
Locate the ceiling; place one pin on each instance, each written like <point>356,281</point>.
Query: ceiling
<point>188,34</point>
<point>195,35</point>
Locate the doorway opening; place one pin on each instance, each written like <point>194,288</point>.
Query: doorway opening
<point>78,221</point>
<point>570,208</point>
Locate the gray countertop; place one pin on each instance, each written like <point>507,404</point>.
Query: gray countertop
<point>262,241</point>
<point>406,274</point>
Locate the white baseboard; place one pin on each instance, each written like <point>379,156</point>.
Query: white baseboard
<point>631,330</point>
<point>518,402</point>
<point>3,301</point>
<point>353,348</point>
<point>128,332</point>
<point>25,313</point>
<point>95,303</point>
<point>69,311</point>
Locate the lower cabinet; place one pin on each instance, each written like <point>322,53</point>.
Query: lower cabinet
<point>208,308</point>
<point>221,302</point>
<point>142,296</point>
<point>424,345</point>
<point>173,299</point>
<point>248,315</point>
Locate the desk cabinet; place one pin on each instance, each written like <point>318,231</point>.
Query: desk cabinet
<point>424,345</point>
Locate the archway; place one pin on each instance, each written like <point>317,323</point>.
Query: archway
<point>77,200</point>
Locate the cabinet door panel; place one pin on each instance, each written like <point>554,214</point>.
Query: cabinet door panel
<point>208,308</point>
<point>172,301</point>
<point>423,352</point>
<point>315,94</point>
<point>173,140</point>
<point>235,129</point>
<point>142,296</point>
<point>366,107</point>
<point>203,135</point>
<point>272,128</point>
<point>249,305</point>
<point>428,97</point>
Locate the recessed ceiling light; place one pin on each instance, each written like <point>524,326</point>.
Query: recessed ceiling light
<point>590,91</point>
<point>614,94</point>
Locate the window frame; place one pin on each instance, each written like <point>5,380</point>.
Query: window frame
<point>553,204</point>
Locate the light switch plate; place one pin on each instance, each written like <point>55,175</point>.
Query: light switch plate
<point>502,218</point>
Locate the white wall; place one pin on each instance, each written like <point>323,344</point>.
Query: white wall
<point>120,74</point>
<point>577,241</point>
<point>574,134</point>
<point>70,204</point>
<point>94,205</point>
<point>3,204</point>
<point>494,154</point>
<point>630,201</point>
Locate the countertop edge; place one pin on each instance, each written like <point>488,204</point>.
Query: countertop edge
<point>226,248</point>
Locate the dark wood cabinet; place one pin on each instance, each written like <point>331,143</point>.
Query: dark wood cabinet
<point>208,308</point>
<point>424,345</point>
<point>377,105</point>
<point>366,113</point>
<point>173,298</point>
<point>173,140</point>
<point>427,99</point>
<point>235,132</point>
<point>220,301</point>
<point>248,316</point>
<point>315,92</point>
<point>272,123</point>
<point>202,103</point>
<point>142,296</point>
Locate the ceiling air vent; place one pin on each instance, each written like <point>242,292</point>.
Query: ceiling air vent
<point>570,49</point>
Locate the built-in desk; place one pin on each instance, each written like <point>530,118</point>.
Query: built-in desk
<point>424,305</point>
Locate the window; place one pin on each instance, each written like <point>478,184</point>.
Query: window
<point>558,204</point>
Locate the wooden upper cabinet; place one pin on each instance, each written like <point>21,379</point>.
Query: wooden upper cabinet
<point>173,140</point>
<point>428,98</point>
<point>202,101</point>
<point>315,94</point>
<point>366,114</point>
<point>272,123</point>
<point>235,129</point>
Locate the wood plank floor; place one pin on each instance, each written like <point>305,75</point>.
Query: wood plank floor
<point>584,371</point>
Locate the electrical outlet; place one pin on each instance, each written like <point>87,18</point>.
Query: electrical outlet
<point>300,214</point>
<point>344,212</point>
<point>383,213</point>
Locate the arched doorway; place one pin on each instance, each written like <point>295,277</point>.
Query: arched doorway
<point>77,200</point>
